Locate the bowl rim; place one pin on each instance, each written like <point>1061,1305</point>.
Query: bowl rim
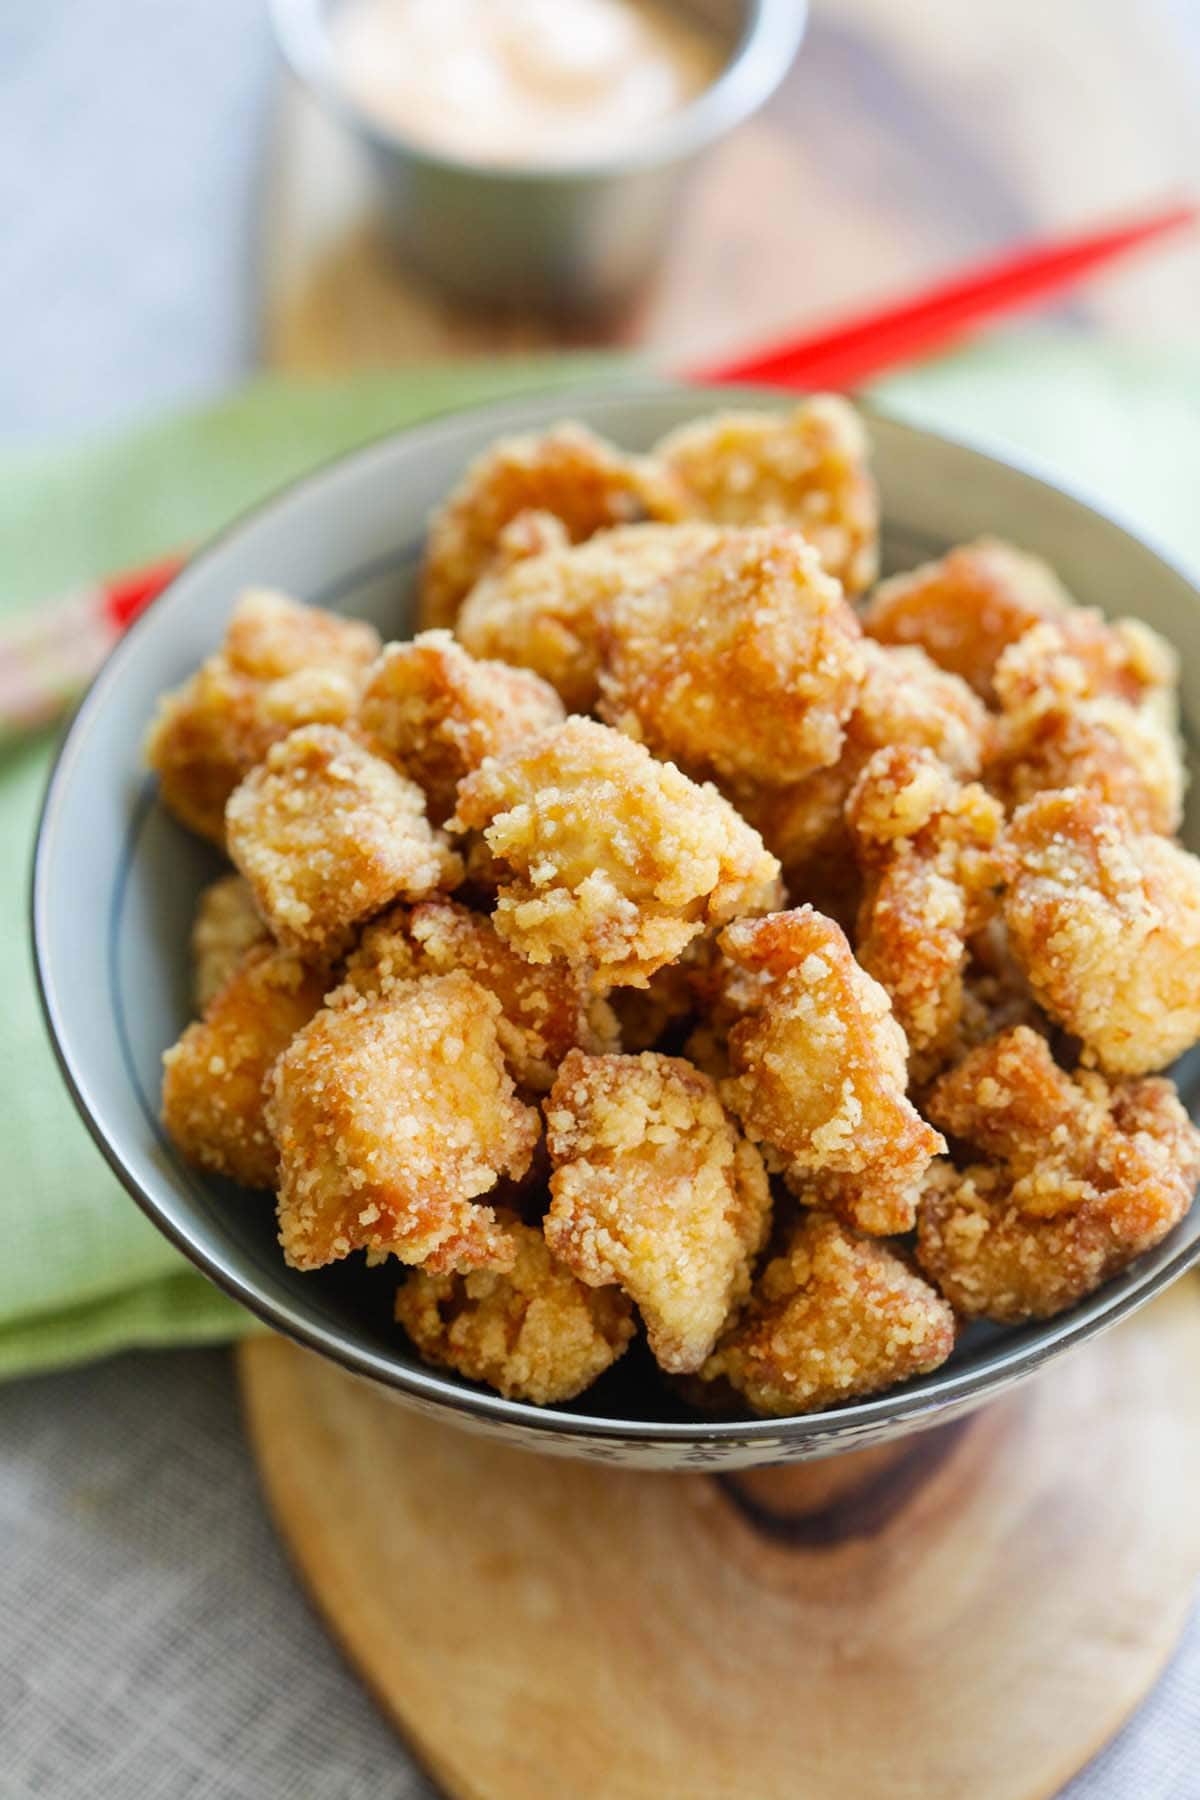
<point>763,52</point>
<point>920,1402</point>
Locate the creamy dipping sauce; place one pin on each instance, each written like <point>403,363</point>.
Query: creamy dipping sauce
<point>521,82</point>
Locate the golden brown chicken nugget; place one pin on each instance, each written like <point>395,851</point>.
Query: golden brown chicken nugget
<point>567,471</point>
<point>227,923</point>
<point>654,1189</point>
<point>607,857</point>
<point>807,468</point>
<point>1062,724</point>
<point>282,665</point>
<point>327,834</point>
<point>437,711</point>
<point>742,665</point>
<point>836,1316</point>
<point>550,611</point>
<point>392,1117</point>
<point>533,1332</point>
<point>1105,923</point>
<point>213,1097</point>
<point>905,699</point>
<point>966,608</point>
<point>545,1009</point>
<point>820,1072</point>
<point>927,844</point>
<point>1083,1174</point>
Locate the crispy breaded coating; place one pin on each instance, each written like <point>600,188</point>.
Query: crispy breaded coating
<point>567,471</point>
<point>227,923</point>
<point>1063,723</point>
<point>1083,1174</point>
<point>1105,923</point>
<point>534,1332</point>
<point>529,533</point>
<point>213,1095</point>
<point>545,1009</point>
<point>326,834</point>
<point>608,857</point>
<point>550,611</point>
<point>835,1317</point>
<point>807,468</point>
<point>742,665</point>
<point>437,712</point>
<point>392,1116</point>
<point>974,603</point>
<point>928,846</point>
<point>654,1189</point>
<point>904,698</point>
<point>820,1071</point>
<point>966,608</point>
<point>271,637</point>
<point>281,665</point>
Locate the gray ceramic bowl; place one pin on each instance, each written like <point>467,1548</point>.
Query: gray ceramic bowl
<point>116,880</point>
<point>577,238</point>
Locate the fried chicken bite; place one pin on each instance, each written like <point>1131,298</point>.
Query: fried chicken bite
<point>282,665</point>
<point>654,1189</point>
<point>227,923</point>
<point>742,665</point>
<point>1070,720</point>
<point>436,712</point>
<point>606,856</point>
<point>907,699</point>
<point>392,1117</point>
<point>927,844</point>
<point>567,472</point>
<point>534,1332</point>
<point>213,1094</point>
<point>966,608</point>
<point>904,698</point>
<point>529,533</point>
<point>1105,923</point>
<point>1082,1175</point>
<point>834,1317</point>
<point>807,468</point>
<point>545,1009</point>
<point>820,1071</point>
<point>550,611</point>
<point>326,834</point>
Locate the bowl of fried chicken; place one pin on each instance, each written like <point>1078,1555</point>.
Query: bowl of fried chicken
<point>656,924</point>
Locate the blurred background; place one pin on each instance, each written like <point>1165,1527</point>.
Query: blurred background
<point>179,215</point>
<point>175,216</point>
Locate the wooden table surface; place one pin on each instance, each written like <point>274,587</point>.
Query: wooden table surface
<point>906,140</point>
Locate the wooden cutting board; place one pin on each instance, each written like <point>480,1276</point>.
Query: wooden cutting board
<point>972,1613</point>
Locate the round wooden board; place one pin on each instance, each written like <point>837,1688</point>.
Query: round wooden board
<point>974,1612</point>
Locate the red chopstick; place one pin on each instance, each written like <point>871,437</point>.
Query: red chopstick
<point>47,656</point>
<point>123,597</point>
<point>850,353</point>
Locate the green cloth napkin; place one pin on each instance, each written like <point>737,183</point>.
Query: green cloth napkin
<point>82,1273</point>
